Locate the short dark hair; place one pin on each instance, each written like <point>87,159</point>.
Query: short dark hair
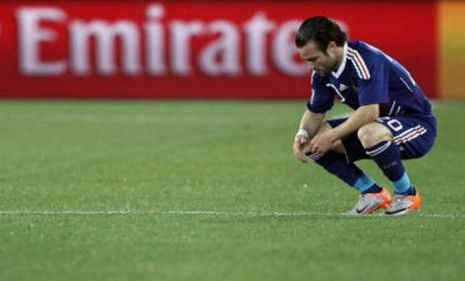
<point>321,30</point>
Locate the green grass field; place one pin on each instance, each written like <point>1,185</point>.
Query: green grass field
<point>208,191</point>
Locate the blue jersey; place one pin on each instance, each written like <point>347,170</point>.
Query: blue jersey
<point>368,76</point>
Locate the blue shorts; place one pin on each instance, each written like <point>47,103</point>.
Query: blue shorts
<point>414,135</point>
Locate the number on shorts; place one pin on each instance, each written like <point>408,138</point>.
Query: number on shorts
<point>394,124</point>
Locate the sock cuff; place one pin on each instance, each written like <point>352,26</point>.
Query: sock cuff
<point>402,185</point>
<point>328,156</point>
<point>378,149</point>
<point>363,183</point>
<point>314,156</point>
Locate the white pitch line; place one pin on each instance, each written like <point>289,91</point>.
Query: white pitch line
<point>247,214</point>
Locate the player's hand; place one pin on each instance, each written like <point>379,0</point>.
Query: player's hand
<point>300,142</point>
<point>321,143</point>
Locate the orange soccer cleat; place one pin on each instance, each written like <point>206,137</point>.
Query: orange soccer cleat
<point>370,202</point>
<point>404,204</point>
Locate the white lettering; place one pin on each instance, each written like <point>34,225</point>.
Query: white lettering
<point>181,33</point>
<point>104,34</point>
<point>284,51</point>
<point>31,35</point>
<point>221,56</point>
<point>174,48</point>
<point>155,49</point>
<point>256,30</point>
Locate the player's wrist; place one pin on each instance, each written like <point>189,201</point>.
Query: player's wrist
<point>302,133</point>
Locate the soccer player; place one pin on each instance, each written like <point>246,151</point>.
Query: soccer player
<point>392,118</point>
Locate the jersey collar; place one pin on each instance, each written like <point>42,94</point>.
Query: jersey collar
<point>343,62</point>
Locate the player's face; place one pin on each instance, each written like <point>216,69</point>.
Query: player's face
<point>317,60</point>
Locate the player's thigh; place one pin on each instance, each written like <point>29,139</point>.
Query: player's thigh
<point>373,133</point>
<point>414,136</point>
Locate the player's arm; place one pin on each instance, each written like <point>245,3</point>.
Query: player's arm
<point>309,126</point>
<point>320,102</point>
<point>362,116</point>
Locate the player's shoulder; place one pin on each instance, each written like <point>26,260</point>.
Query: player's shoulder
<point>363,47</point>
<point>365,57</point>
<point>364,50</point>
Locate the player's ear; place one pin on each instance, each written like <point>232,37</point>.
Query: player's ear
<point>331,46</point>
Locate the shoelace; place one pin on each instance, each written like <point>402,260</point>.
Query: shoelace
<point>398,200</point>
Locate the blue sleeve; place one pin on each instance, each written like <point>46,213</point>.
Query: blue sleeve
<point>322,99</point>
<point>373,83</point>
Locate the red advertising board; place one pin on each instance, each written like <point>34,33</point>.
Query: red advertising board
<point>191,49</point>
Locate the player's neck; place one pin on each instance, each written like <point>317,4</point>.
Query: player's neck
<point>339,56</point>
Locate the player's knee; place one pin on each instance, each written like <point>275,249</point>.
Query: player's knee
<point>372,134</point>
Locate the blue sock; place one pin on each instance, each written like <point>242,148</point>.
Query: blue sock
<point>387,156</point>
<point>365,184</point>
<point>337,164</point>
<point>402,185</point>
